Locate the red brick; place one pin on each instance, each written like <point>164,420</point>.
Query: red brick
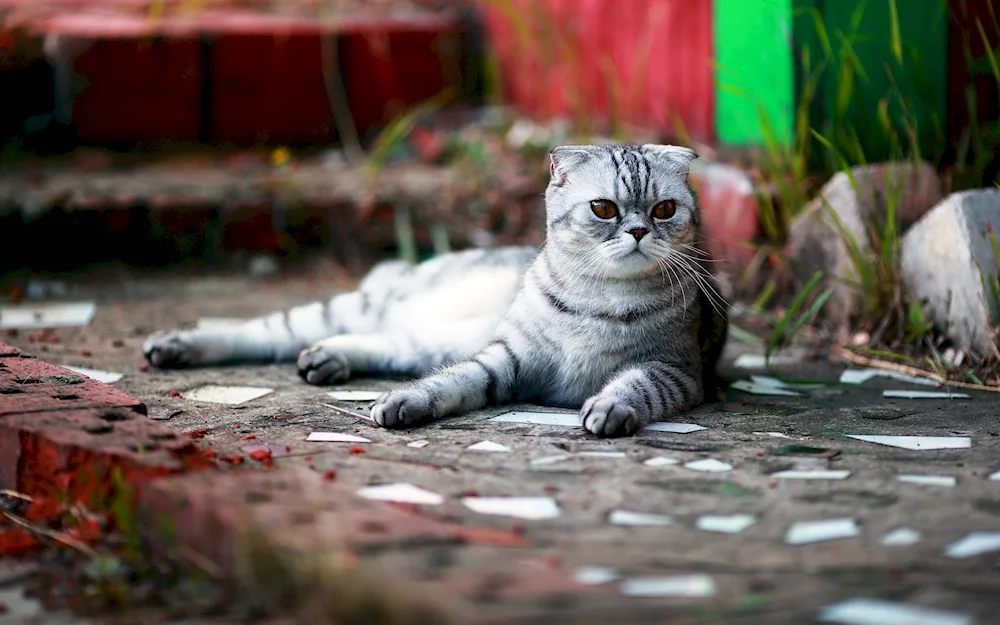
<point>147,90</point>
<point>31,385</point>
<point>73,453</point>
<point>296,510</point>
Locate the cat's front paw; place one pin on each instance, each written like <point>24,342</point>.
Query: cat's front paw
<point>607,415</point>
<point>321,365</point>
<point>403,407</point>
<point>170,350</point>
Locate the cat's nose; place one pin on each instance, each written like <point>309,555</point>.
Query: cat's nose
<point>638,233</point>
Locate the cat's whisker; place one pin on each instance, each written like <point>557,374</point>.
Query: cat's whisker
<point>692,269</point>
<point>695,249</point>
<point>659,252</point>
<point>664,264</point>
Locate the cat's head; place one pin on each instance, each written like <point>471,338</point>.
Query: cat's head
<point>623,209</point>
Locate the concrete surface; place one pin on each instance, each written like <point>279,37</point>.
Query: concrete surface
<point>759,578</point>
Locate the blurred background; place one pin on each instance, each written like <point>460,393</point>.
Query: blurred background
<point>253,134</point>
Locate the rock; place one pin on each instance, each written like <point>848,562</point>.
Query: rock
<point>815,243</point>
<point>728,201</point>
<point>263,266</point>
<point>942,256</point>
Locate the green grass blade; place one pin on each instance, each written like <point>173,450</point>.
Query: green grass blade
<point>895,37</point>
<point>990,54</point>
<point>810,313</point>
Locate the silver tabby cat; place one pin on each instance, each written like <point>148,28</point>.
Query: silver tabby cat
<point>617,312</point>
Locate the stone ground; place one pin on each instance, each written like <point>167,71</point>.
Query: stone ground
<point>759,578</point>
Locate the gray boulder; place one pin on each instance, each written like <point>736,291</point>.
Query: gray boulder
<point>947,259</point>
<point>814,241</point>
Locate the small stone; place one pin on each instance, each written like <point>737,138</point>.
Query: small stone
<point>901,537</point>
<point>728,203</point>
<point>263,266</point>
<point>946,257</point>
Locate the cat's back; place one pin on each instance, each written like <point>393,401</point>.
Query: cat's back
<point>453,286</point>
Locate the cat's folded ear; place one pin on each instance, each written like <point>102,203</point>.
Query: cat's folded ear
<point>675,153</point>
<point>564,158</point>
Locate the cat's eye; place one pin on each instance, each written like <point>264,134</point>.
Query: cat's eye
<point>605,209</point>
<point>664,210</point>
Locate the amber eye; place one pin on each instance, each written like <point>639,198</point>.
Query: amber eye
<point>664,210</point>
<point>605,209</point>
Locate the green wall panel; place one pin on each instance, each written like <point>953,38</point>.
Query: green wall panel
<point>914,88</point>
<point>754,70</point>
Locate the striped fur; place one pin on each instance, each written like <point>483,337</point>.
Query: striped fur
<point>628,328</point>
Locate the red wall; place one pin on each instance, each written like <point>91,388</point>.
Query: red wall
<point>641,61</point>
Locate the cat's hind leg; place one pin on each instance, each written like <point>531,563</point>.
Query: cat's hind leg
<point>272,338</point>
<point>488,378</point>
<point>403,351</point>
<point>335,359</point>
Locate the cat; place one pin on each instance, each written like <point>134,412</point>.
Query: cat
<point>617,314</point>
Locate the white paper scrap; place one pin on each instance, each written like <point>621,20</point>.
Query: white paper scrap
<point>602,454</point>
<point>772,382</point>
<point>816,531</point>
<point>549,460</point>
<point>918,443</point>
<point>674,428</point>
<point>901,537</point>
<point>488,446</point>
<point>66,315</point>
<point>773,434</point>
<point>226,394</point>
<point>595,575</point>
<point>213,323</point>
<point>565,419</point>
<point>638,519</point>
<point>673,586</point>
<point>335,437</point>
<point>401,493</point>
<point>725,524</point>
<point>355,395</point>
<point>709,464</point>
<point>973,545</point>
<point>766,380</point>
<point>897,394</point>
<point>995,477</point>
<point>661,461</point>
<point>757,361</point>
<point>879,612</point>
<point>531,508</point>
<point>842,474</point>
<point>860,376</point>
<point>762,389</point>
<point>928,480</point>
<point>107,377</point>
<point>418,444</point>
